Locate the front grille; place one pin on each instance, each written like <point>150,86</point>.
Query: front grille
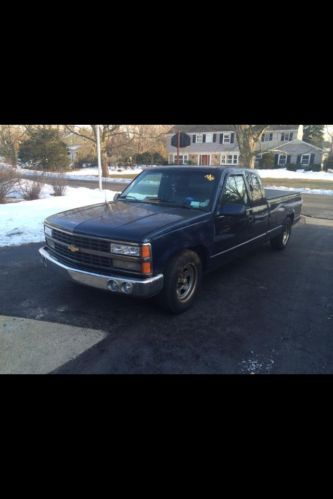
<point>83,258</point>
<point>81,242</point>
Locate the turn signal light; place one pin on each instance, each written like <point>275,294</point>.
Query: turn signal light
<point>146,251</point>
<point>146,268</point>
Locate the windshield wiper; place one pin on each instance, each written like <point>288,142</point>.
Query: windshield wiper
<point>129,197</point>
<point>157,201</point>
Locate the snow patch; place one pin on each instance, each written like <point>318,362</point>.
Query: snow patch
<point>299,174</point>
<point>22,222</point>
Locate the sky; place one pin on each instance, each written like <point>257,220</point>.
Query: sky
<point>330,129</point>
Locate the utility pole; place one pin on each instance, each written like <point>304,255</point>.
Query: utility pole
<point>98,141</point>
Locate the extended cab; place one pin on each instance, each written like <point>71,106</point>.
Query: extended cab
<point>166,228</point>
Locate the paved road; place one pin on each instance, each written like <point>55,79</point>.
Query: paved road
<point>269,312</point>
<point>318,206</point>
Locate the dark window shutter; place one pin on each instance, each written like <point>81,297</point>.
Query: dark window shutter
<point>312,159</point>
<point>288,159</point>
<point>221,138</point>
<point>204,138</point>
<point>232,138</point>
<point>291,135</point>
<point>194,139</point>
<point>262,137</point>
<point>270,136</point>
<point>282,137</point>
<point>214,137</point>
<point>299,159</point>
<point>276,159</point>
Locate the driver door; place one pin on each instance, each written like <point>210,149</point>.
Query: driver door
<point>232,229</point>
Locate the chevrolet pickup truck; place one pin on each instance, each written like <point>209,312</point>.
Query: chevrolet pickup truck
<point>166,229</point>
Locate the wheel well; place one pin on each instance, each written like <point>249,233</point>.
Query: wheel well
<point>291,216</point>
<point>199,250</point>
<point>202,252</point>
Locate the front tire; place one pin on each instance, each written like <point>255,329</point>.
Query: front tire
<point>182,282</point>
<point>280,242</point>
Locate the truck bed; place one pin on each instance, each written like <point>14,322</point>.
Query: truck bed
<point>273,194</point>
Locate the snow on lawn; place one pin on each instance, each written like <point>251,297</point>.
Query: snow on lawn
<point>299,174</point>
<point>94,171</point>
<point>75,175</point>
<point>22,222</point>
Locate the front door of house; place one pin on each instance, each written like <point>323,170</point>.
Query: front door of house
<point>205,159</point>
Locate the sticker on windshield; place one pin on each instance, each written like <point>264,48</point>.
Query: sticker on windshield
<point>210,177</point>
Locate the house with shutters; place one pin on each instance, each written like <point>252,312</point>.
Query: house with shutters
<point>216,145</point>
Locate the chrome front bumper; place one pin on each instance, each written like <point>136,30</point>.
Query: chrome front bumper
<point>143,288</point>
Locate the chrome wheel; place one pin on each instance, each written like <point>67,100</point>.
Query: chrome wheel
<point>286,235</point>
<point>187,282</point>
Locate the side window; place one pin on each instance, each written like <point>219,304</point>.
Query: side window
<point>235,191</point>
<point>256,188</point>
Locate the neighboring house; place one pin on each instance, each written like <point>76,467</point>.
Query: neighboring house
<point>217,145</point>
<point>297,152</point>
<point>72,152</point>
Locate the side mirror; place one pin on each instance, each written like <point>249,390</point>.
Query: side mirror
<point>116,196</point>
<point>232,210</point>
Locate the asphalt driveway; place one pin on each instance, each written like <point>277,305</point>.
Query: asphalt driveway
<point>268,312</point>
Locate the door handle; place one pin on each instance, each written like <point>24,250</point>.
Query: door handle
<point>251,218</point>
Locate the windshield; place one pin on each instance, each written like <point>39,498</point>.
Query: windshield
<point>187,189</point>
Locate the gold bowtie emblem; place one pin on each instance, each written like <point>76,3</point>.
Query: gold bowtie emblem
<point>73,248</point>
<point>210,177</point>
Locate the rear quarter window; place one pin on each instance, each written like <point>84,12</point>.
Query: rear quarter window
<point>257,191</point>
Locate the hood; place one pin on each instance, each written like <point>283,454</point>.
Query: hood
<point>123,220</point>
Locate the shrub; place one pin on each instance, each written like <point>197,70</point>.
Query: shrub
<point>292,167</point>
<point>267,161</point>
<point>31,190</point>
<point>84,159</point>
<point>328,163</point>
<point>59,186</point>
<point>313,168</point>
<point>8,179</point>
<point>44,150</point>
<point>149,158</point>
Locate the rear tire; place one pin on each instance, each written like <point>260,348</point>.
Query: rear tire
<point>182,282</point>
<point>280,242</point>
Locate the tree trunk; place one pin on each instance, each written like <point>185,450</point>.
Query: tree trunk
<point>248,137</point>
<point>105,164</point>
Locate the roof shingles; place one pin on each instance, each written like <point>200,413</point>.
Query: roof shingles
<point>221,128</point>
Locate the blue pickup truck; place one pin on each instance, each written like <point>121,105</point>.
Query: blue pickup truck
<point>167,228</point>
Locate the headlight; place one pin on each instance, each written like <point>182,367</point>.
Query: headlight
<point>48,231</point>
<point>123,249</point>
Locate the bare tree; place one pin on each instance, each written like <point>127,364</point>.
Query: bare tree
<point>330,134</point>
<point>108,132</point>
<point>248,137</point>
<point>10,138</point>
<point>117,140</point>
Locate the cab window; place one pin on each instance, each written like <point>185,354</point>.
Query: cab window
<point>235,191</point>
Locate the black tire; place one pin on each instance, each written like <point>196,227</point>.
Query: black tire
<point>182,282</point>
<point>280,242</point>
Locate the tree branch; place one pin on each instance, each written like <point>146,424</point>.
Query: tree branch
<point>71,130</point>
